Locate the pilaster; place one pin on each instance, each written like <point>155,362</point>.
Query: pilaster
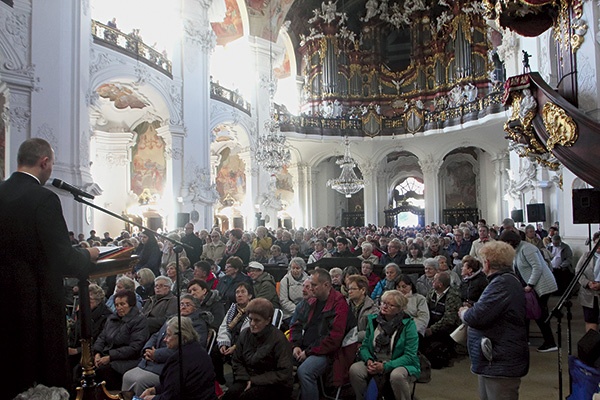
<point>430,166</point>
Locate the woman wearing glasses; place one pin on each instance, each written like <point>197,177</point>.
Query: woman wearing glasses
<point>389,350</point>
<point>360,304</point>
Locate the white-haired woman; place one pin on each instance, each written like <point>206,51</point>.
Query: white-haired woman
<point>290,288</point>
<point>367,253</point>
<point>392,274</point>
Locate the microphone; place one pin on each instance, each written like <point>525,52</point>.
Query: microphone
<point>70,188</point>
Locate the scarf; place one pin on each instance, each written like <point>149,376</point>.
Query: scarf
<point>232,247</point>
<point>355,308</point>
<point>241,312</point>
<point>391,284</point>
<point>386,330</point>
<point>317,255</point>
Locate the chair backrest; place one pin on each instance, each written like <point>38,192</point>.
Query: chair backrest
<point>277,318</point>
<point>211,339</point>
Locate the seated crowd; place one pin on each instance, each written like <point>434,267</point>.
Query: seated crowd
<point>343,324</point>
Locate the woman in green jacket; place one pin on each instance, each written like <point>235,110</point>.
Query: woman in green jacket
<point>389,350</point>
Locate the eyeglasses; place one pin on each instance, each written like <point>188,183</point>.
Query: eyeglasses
<point>389,305</point>
<point>186,305</point>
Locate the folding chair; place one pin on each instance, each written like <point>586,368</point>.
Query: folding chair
<point>277,318</point>
<point>210,340</point>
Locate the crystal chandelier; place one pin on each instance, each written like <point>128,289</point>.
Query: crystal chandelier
<point>272,153</point>
<point>348,183</point>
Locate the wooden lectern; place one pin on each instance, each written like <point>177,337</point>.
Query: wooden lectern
<point>115,263</point>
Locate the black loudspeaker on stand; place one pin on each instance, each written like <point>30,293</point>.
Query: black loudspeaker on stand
<point>586,206</point>
<point>556,312</point>
<point>182,219</point>
<point>516,215</point>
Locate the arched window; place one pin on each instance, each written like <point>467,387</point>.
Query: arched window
<point>409,192</point>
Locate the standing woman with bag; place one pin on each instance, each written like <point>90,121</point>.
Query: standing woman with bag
<point>498,319</point>
<point>535,276</point>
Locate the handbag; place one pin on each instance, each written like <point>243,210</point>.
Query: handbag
<point>372,392</point>
<point>533,309</point>
<point>425,376</point>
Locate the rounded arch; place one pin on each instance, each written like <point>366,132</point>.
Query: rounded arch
<point>161,94</point>
<point>242,127</point>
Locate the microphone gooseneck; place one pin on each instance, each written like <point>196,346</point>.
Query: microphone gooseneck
<point>75,191</point>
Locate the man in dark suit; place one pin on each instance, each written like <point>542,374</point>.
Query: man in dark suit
<point>35,255</point>
<point>194,241</point>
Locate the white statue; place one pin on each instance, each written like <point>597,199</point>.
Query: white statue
<point>337,109</point>
<point>470,92</point>
<point>328,11</point>
<point>456,95</point>
<point>527,103</point>
<point>371,7</point>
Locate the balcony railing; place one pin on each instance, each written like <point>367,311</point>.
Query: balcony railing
<point>401,124</point>
<point>230,97</point>
<point>130,46</point>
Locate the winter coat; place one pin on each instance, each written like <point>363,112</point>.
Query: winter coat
<point>499,315</point>
<point>418,309</point>
<point>265,287</point>
<point>369,307</point>
<point>336,321</point>
<point>472,286</point>
<point>533,269</point>
<point>264,358</point>
<point>122,339</point>
<point>212,304</point>
<point>198,372</point>
<point>156,309</point>
<point>405,347</point>
<point>443,312</point>
<point>162,352</point>
<point>290,293</point>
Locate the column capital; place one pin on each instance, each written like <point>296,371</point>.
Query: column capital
<point>430,164</point>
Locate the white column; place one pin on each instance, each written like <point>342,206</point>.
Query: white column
<point>303,195</point>
<point>17,117</point>
<point>248,206</point>
<point>369,173</point>
<point>500,163</point>
<point>110,166</point>
<point>173,179</point>
<point>312,195</point>
<point>431,168</point>
<point>60,42</point>
<point>17,79</point>
<point>197,44</point>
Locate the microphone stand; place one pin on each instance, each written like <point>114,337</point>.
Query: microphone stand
<point>88,384</point>
<point>556,312</point>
